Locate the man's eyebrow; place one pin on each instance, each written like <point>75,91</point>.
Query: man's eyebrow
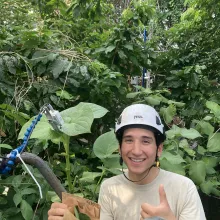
<point>130,136</point>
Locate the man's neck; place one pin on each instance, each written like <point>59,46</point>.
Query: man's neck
<point>153,173</point>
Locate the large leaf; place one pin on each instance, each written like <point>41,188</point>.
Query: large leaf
<point>205,127</point>
<point>98,111</point>
<point>190,133</point>
<point>214,107</point>
<point>168,113</point>
<point>105,145</point>
<point>5,146</point>
<point>173,159</point>
<point>178,168</point>
<point>207,187</point>
<point>197,172</point>
<point>43,130</point>
<point>90,176</point>
<point>174,131</point>
<point>214,143</point>
<point>78,120</point>
<point>17,198</point>
<point>26,210</point>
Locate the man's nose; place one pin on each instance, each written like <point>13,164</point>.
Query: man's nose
<point>136,150</point>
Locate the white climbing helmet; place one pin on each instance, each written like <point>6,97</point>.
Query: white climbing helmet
<point>140,114</point>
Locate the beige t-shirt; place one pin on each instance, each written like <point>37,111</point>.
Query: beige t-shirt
<point>121,199</point>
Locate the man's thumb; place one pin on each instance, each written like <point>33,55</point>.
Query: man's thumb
<point>163,197</point>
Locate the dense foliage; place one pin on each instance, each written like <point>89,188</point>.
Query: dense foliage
<point>73,52</point>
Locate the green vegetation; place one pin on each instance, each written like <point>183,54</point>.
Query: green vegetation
<point>78,55</point>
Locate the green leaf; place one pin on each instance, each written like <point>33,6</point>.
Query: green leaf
<point>205,127</point>
<point>178,104</point>
<point>105,145</point>
<point>109,49</point>
<point>57,67</point>
<point>78,120</point>
<point>214,107</point>
<point>213,143</point>
<point>168,113</point>
<point>128,46</point>
<point>26,210</point>
<point>190,133</point>
<point>17,199</point>
<point>43,130</point>
<point>184,144</point>
<point>174,131</point>
<point>97,110</point>
<point>178,168</point>
<point>173,159</point>
<point>152,100</point>
<point>64,95</point>
<point>5,146</point>
<point>132,95</point>
<point>207,187</point>
<point>90,176</point>
<point>201,150</point>
<point>112,162</point>
<point>197,172</point>
<point>28,191</point>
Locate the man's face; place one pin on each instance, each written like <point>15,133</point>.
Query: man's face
<point>138,151</point>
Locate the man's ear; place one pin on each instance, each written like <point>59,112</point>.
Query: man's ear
<point>160,150</point>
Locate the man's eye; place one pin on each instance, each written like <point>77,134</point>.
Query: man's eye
<point>128,140</point>
<point>146,142</point>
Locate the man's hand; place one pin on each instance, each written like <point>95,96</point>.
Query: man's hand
<point>163,210</point>
<point>57,211</point>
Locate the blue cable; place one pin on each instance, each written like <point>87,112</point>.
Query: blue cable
<point>13,154</point>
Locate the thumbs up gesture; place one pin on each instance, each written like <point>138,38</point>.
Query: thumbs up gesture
<point>162,210</point>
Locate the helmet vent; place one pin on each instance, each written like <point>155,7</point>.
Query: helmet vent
<point>119,120</point>
<point>158,122</point>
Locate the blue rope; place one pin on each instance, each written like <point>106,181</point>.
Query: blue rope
<point>7,167</point>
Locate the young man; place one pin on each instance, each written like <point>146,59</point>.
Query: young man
<point>145,191</point>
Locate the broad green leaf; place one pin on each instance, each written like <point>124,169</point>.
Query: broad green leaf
<point>17,199</point>
<point>28,191</point>
<point>178,104</point>
<point>152,100</point>
<point>112,162</point>
<point>78,120</point>
<point>5,146</point>
<point>132,95</point>
<point>197,172</point>
<point>128,46</point>
<point>58,66</point>
<point>17,180</point>
<point>168,113</point>
<point>43,130</point>
<point>26,210</point>
<point>207,118</point>
<point>105,145</point>
<point>214,143</point>
<point>205,127</point>
<point>174,131</point>
<point>201,150</point>
<point>178,168</point>
<point>173,159</point>
<point>90,176</point>
<point>98,111</point>
<point>211,161</point>
<point>122,54</point>
<point>214,107</point>
<point>207,187</point>
<point>185,145</point>
<point>190,133</point>
<point>64,95</point>
<point>110,48</point>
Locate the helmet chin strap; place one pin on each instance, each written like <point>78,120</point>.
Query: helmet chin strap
<point>135,181</point>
